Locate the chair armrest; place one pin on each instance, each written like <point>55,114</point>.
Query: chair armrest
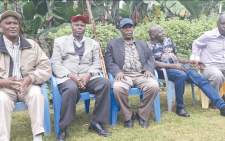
<point>164,74</point>
<point>156,75</point>
<point>100,73</point>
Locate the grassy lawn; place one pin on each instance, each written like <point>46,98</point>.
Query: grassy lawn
<point>203,124</point>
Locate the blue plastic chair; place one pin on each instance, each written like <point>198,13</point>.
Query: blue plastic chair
<point>20,106</point>
<point>171,97</point>
<point>133,91</point>
<point>57,100</point>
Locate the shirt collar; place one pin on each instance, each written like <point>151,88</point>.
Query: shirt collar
<point>155,42</point>
<point>133,41</point>
<point>8,43</point>
<point>83,39</point>
<point>218,33</point>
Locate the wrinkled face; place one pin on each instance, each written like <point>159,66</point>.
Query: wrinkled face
<point>127,31</point>
<point>78,28</point>
<point>221,25</point>
<point>159,34</point>
<point>10,27</point>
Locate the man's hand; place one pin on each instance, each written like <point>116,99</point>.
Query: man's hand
<point>178,67</point>
<point>25,83</point>
<point>148,74</point>
<point>85,78</point>
<point>11,84</point>
<point>120,76</point>
<point>197,64</point>
<point>76,79</point>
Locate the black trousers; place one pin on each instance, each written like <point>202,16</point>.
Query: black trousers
<point>70,92</point>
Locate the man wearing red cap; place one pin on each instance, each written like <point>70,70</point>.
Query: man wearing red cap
<point>23,66</point>
<point>76,64</point>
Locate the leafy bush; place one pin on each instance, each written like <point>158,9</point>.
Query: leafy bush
<point>183,32</point>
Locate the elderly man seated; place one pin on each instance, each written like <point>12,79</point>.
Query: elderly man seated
<point>23,66</point>
<point>131,63</point>
<point>212,53</point>
<point>76,64</point>
<point>179,70</point>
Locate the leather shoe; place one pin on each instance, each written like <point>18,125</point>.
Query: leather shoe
<point>143,123</point>
<point>99,129</point>
<point>61,136</point>
<point>223,97</point>
<point>182,112</point>
<point>129,123</point>
<point>222,111</point>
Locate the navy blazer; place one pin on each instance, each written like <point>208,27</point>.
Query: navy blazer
<point>115,56</point>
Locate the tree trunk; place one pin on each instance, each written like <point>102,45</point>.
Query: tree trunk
<point>96,38</point>
<point>6,4</point>
<point>108,16</point>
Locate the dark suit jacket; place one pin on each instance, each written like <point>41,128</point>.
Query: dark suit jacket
<point>115,56</point>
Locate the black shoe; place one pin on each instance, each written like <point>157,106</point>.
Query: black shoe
<point>99,129</point>
<point>61,136</point>
<point>142,122</point>
<point>182,112</point>
<point>222,111</point>
<point>223,97</point>
<point>129,123</point>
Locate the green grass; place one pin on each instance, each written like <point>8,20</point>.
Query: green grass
<point>203,125</point>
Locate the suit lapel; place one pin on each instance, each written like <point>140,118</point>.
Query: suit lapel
<point>87,48</point>
<point>120,44</point>
<point>70,45</point>
<point>140,51</point>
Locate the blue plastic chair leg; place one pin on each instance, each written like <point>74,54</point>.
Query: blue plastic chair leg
<point>87,105</point>
<point>157,111</point>
<point>114,109</point>
<point>47,125</point>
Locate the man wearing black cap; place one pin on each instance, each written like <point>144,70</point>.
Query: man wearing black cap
<point>76,64</point>
<point>23,66</point>
<point>131,63</point>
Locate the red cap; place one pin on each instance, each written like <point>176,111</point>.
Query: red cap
<point>79,16</point>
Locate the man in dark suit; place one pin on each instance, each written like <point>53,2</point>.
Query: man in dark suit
<point>76,64</point>
<point>131,63</point>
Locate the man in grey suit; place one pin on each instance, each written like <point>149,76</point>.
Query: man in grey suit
<point>76,64</point>
<point>131,63</point>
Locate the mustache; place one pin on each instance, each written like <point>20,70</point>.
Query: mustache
<point>128,32</point>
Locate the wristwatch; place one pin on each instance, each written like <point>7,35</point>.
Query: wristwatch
<point>185,62</point>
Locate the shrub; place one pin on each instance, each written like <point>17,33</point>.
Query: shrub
<point>182,32</point>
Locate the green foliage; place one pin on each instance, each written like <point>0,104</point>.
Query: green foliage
<point>29,10</point>
<point>182,32</point>
<point>63,12</point>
